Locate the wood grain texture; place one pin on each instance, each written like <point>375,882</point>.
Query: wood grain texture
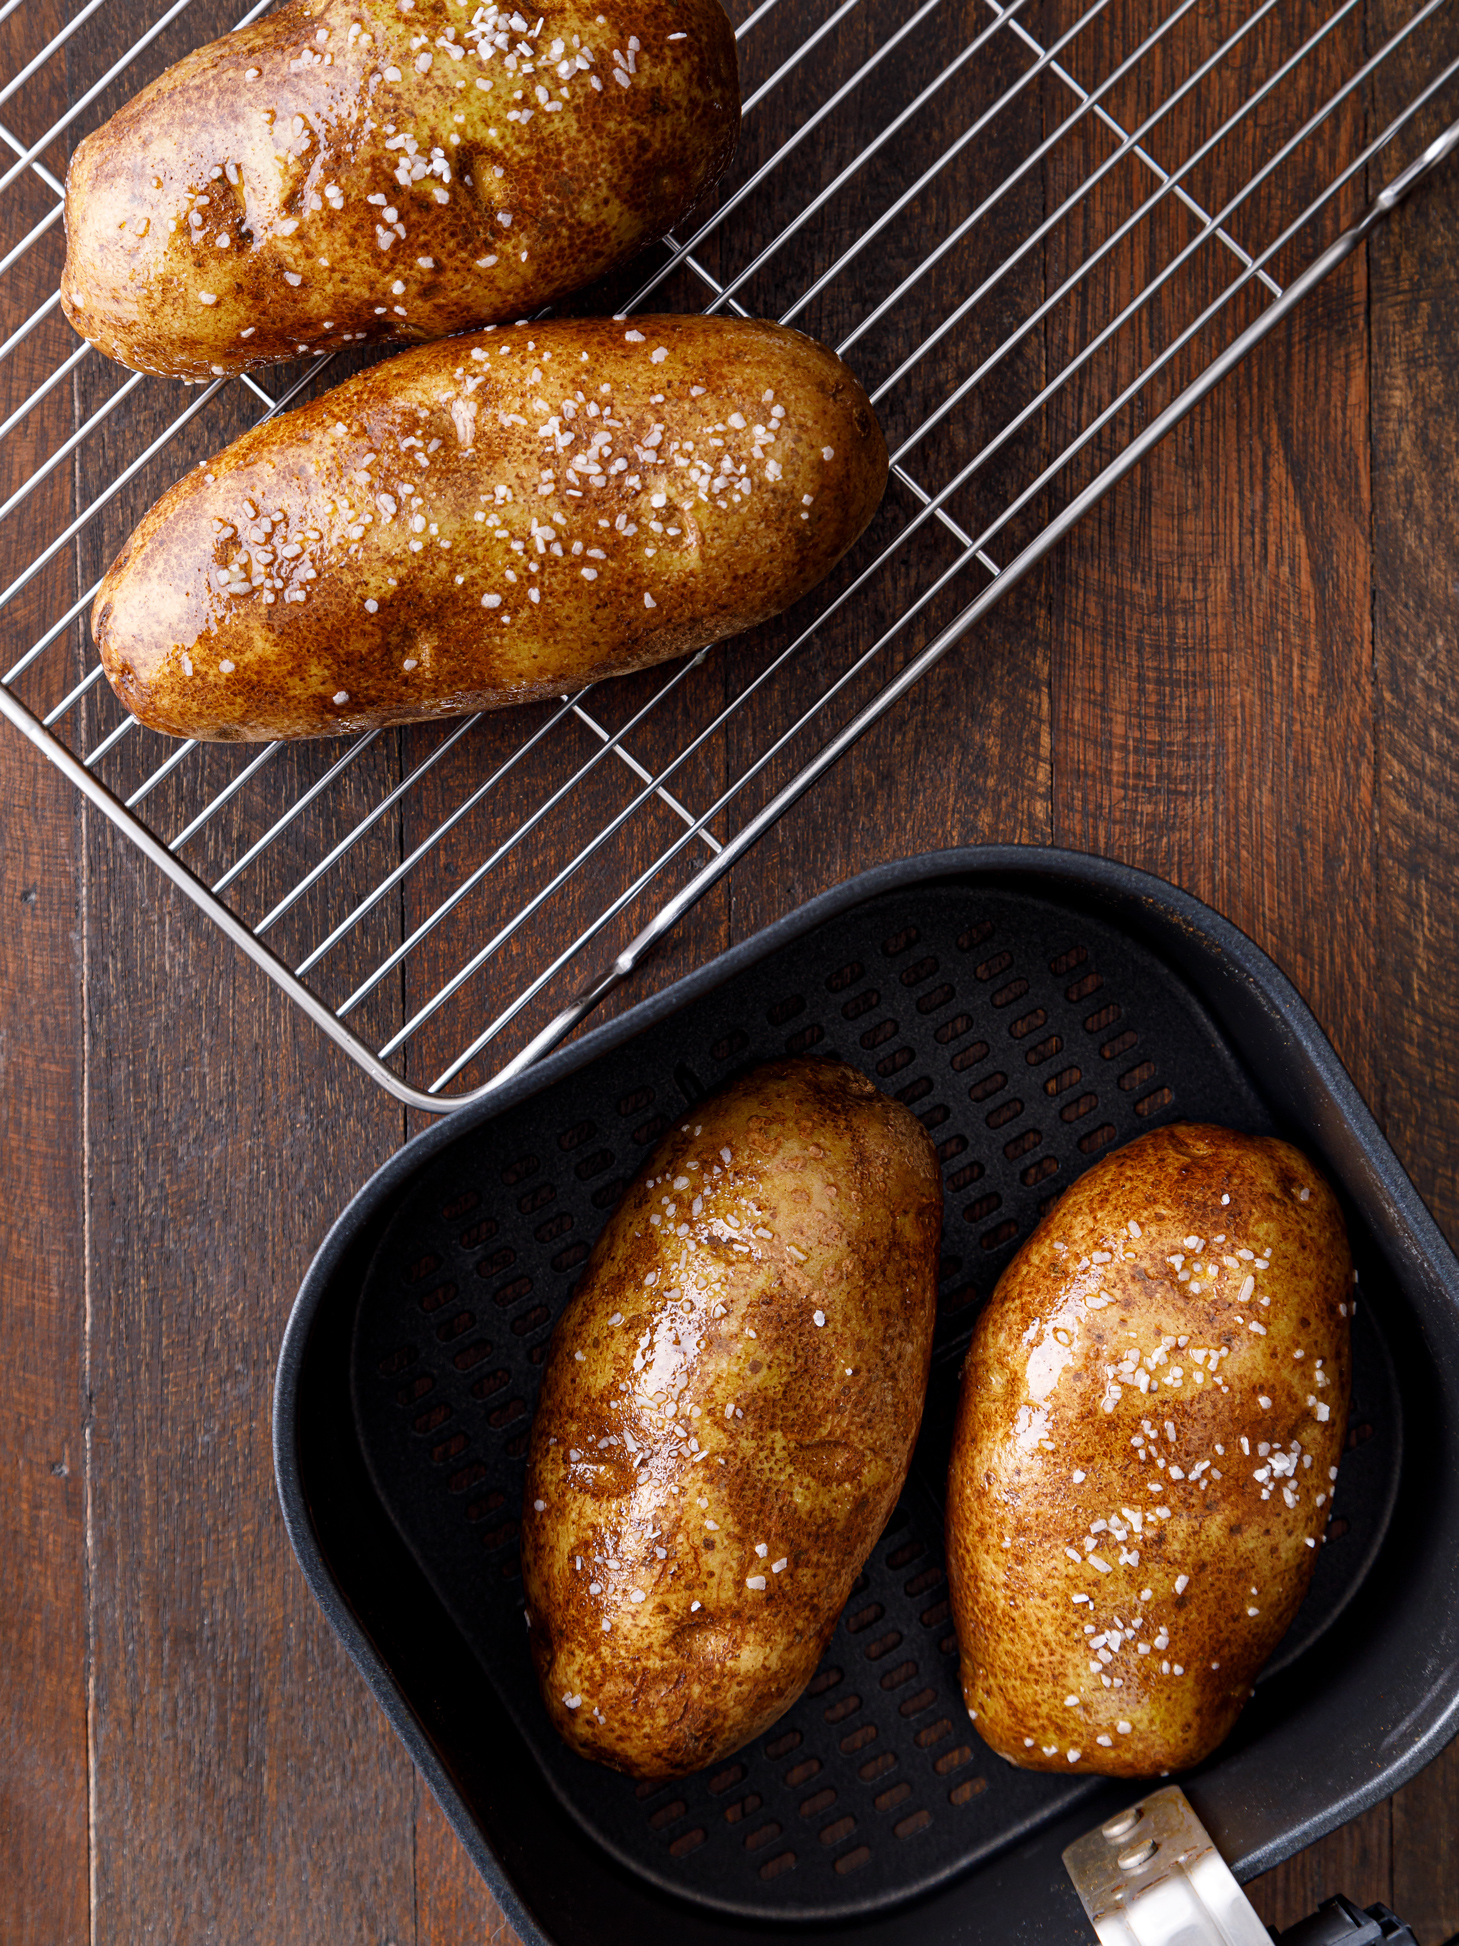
<point>1241,673</point>
<point>44,1647</point>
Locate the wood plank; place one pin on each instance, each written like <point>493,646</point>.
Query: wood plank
<point>1415,285</point>
<point>43,1432</point>
<point>44,1867</point>
<point>1356,1859</point>
<point>246,1786</point>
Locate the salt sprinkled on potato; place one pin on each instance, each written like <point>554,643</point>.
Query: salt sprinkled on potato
<point>1152,1413</point>
<point>727,1416</point>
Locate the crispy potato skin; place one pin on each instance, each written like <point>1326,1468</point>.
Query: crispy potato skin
<point>223,219</point>
<point>397,505</point>
<point>1211,1574</point>
<point>709,1586</point>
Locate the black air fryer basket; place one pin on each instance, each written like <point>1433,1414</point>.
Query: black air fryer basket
<point>1034,1008</point>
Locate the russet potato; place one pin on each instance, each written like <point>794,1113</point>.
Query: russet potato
<point>1152,1412</point>
<point>727,1416</point>
<point>345,172</point>
<point>490,520</point>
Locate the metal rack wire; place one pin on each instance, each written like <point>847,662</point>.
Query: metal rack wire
<point>1040,230</point>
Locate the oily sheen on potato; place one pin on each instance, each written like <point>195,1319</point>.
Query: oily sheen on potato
<point>345,172</point>
<point>1152,1413</point>
<point>727,1416</point>
<point>497,518</point>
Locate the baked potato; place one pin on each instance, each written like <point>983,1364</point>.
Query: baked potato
<point>500,517</point>
<point>727,1416</point>
<point>347,172</point>
<point>1152,1413</point>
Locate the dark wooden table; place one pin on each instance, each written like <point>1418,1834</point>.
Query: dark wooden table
<point>1242,673</point>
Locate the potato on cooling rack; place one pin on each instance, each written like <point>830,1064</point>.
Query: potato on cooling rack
<point>1152,1412</point>
<point>728,1414</point>
<point>490,520</point>
<point>355,171</point>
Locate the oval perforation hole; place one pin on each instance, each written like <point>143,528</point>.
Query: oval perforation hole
<point>773,1867</point>
<point>727,1779</point>
<point>763,1836</point>
<point>848,1706</point>
<point>1065,962</point>
<point>742,1808</point>
<point>821,1801</point>
<point>953,1759</point>
<point>499,1260</point>
<point>914,1705</point>
<point>1003,1232</point>
<point>877,1766</point>
<point>520,1170</point>
<point>939,997</point>
<point>969,1788</point>
<point>858,1739</point>
<point>852,1860</point>
<point>823,1680</point>
<point>422,1267</point>
<point>1103,1017</point>
<point>1027,1024</point>
<point>1083,987</point>
<point>1159,1098</point>
<point>899,942</point>
<point>807,1037</point>
<point>910,1826</point>
<point>479,1233</point>
<point>783,1745</point>
<point>860,1003</point>
<point>954,1029</point>
<point>835,1832</point>
<point>894,1062</point>
<point>730,1044</point>
<point>786,1009</point>
<point>688,1841</point>
<point>839,981</point>
<point>455,1327</point>
<point>667,1814</point>
<point>433,1300</point>
<point>453,1211</point>
<point>888,1799</point>
<point>969,1057</point>
<point>969,1173</point>
<point>396,1361</point>
<point>985,1206</point>
<point>433,1420</point>
<point>1097,1138</point>
<point>1137,1076</point>
<point>803,1772</point>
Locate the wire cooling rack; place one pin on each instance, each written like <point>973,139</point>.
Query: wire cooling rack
<point>1040,231</point>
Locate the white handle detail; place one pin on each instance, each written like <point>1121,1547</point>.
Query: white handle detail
<point>1151,1876</point>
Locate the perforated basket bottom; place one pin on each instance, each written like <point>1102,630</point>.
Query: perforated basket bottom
<point>1029,1037</point>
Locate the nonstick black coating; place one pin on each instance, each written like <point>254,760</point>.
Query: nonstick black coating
<point>1030,1038</point>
